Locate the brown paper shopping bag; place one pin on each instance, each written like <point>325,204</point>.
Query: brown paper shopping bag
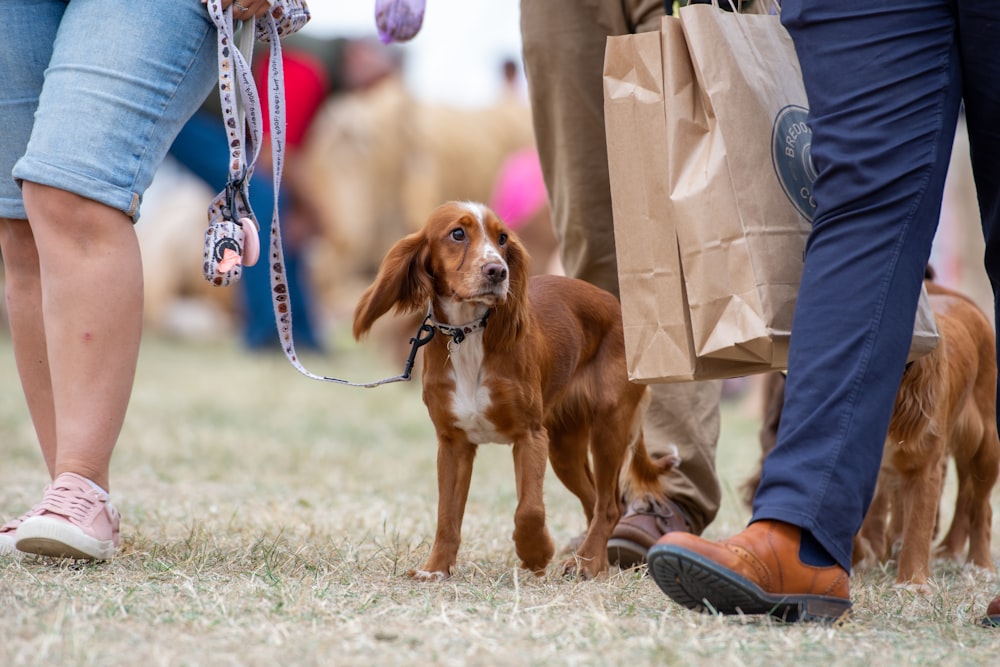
<point>654,306</point>
<point>743,241</point>
<point>657,329</point>
<point>733,159</point>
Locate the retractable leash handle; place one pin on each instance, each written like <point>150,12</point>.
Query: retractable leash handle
<point>231,240</point>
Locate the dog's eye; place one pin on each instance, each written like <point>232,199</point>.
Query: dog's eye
<point>502,240</point>
<point>458,234</point>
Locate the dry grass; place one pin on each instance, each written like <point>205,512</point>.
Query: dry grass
<point>269,519</point>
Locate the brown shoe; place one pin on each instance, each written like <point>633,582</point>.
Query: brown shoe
<point>645,522</point>
<point>757,571</point>
<point>992,619</point>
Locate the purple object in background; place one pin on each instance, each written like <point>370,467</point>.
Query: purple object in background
<point>398,20</point>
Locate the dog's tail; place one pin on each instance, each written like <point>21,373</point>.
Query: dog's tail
<point>643,477</point>
<point>644,471</point>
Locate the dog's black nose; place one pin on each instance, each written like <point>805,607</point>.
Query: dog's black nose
<point>495,271</point>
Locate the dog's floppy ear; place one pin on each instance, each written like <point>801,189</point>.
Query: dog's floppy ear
<point>511,324</point>
<point>517,264</point>
<point>403,283</point>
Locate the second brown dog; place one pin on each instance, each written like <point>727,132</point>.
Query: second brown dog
<point>945,406</point>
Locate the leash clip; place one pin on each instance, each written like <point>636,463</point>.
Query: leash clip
<point>422,337</point>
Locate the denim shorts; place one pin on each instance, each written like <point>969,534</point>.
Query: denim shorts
<point>93,93</point>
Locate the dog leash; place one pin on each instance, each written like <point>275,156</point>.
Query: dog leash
<point>228,245</point>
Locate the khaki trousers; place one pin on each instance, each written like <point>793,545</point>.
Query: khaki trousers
<point>563,42</point>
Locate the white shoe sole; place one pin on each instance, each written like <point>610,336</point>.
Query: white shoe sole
<point>8,547</point>
<point>44,536</point>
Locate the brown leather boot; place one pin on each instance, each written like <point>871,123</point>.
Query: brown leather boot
<point>757,571</point>
<point>645,522</point>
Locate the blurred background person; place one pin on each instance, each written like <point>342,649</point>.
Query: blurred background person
<point>201,147</point>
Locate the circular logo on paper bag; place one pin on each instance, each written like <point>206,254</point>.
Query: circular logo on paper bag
<point>791,155</point>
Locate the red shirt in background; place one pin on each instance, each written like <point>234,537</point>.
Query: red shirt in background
<point>306,86</point>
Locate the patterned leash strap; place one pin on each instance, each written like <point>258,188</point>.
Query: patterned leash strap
<point>231,240</point>
<point>232,234</point>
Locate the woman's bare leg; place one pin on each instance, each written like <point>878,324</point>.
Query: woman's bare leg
<point>91,309</point>
<point>24,310</point>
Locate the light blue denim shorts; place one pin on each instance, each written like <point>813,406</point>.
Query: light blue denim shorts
<point>93,92</point>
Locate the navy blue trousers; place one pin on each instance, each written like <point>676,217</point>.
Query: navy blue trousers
<point>885,83</point>
<point>201,147</point>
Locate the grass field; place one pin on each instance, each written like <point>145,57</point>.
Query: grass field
<point>269,520</point>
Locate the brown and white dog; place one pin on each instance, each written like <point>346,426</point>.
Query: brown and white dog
<point>537,364</point>
<point>946,404</point>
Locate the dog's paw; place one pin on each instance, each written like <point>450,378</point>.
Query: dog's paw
<point>583,568</point>
<point>536,569</point>
<point>913,587</point>
<point>424,575</point>
<point>535,549</point>
<point>538,562</point>
<point>979,572</point>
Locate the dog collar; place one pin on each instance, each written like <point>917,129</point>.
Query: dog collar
<point>459,333</point>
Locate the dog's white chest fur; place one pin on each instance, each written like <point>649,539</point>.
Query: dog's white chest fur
<point>472,398</point>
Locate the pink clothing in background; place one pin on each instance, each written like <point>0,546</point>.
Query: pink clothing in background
<point>519,192</point>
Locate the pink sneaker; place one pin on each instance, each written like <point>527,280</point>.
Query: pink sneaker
<point>74,520</point>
